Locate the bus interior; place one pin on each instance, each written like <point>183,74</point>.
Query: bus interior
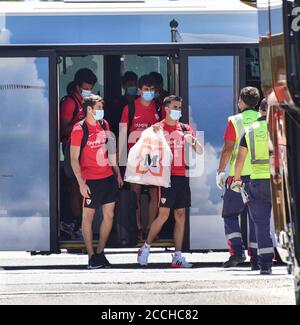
<point>170,62</point>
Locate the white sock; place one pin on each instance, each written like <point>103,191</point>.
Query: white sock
<point>178,254</point>
<point>146,246</point>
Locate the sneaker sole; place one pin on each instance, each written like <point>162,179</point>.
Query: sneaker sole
<point>144,265</point>
<point>95,267</point>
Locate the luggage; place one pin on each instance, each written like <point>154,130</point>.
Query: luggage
<point>149,160</point>
<point>125,218</point>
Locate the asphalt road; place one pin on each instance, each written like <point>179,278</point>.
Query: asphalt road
<point>64,279</point>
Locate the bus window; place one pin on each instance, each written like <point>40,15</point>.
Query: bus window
<point>146,64</point>
<point>70,65</point>
<point>24,151</point>
<point>252,67</point>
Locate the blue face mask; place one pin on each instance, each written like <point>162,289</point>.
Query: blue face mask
<point>132,91</point>
<point>86,93</point>
<point>148,95</point>
<point>99,115</point>
<point>175,115</point>
<point>156,95</point>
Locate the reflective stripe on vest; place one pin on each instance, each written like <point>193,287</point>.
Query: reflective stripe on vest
<point>255,161</point>
<point>240,122</point>
<point>258,144</point>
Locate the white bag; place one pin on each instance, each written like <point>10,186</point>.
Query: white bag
<point>149,160</point>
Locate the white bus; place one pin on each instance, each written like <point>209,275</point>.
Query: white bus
<point>211,54</point>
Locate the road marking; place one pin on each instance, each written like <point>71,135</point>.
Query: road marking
<point>153,291</point>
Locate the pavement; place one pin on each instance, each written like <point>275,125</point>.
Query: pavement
<point>64,279</point>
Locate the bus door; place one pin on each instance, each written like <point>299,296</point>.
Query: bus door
<point>28,136</point>
<point>210,82</point>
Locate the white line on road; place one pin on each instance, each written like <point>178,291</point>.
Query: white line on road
<point>152,291</point>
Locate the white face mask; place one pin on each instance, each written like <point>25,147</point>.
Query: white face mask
<point>99,115</point>
<point>175,115</point>
<point>86,93</point>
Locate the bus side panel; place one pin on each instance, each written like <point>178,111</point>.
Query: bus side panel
<point>24,152</point>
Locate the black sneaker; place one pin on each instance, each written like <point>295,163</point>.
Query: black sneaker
<point>95,262</point>
<point>234,261</point>
<point>254,265</point>
<point>107,265</point>
<point>267,271</point>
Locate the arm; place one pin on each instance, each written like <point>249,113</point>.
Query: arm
<point>123,137</point>
<point>84,189</point>
<point>112,158</point>
<point>240,161</point>
<point>192,140</point>
<point>226,155</point>
<point>66,128</point>
<point>66,112</point>
<point>197,146</point>
<point>122,147</point>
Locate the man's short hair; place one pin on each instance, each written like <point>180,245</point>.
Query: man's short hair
<point>129,76</point>
<point>264,105</point>
<point>85,75</point>
<point>158,78</point>
<point>172,98</point>
<point>250,96</point>
<point>90,101</point>
<point>146,80</point>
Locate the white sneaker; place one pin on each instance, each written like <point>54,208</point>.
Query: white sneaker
<point>143,255</point>
<point>180,262</point>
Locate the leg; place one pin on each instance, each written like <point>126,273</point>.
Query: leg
<point>87,222</point>
<point>153,206</point>
<point>106,225</point>
<point>232,207</point>
<point>261,216</point>
<point>233,235</point>
<point>179,216</point>
<point>136,188</point>
<point>260,212</point>
<point>157,224</point>
<point>252,241</point>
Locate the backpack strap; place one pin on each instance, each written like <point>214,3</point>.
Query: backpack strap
<point>158,109</point>
<point>76,109</point>
<point>84,138</point>
<point>183,127</point>
<point>86,134</point>
<point>103,125</point>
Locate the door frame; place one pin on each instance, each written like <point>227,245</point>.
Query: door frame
<point>8,52</point>
<point>183,51</point>
<point>239,81</point>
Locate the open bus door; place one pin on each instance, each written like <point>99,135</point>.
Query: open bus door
<point>28,136</point>
<point>210,84</point>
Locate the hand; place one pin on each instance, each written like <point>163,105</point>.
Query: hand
<point>188,138</point>
<point>157,127</point>
<point>120,181</point>
<point>237,186</point>
<point>85,191</point>
<point>221,180</point>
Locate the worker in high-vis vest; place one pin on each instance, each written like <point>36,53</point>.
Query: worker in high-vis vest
<point>234,203</point>
<point>256,142</point>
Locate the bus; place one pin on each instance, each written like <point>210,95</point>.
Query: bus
<point>206,51</point>
<point>279,45</point>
